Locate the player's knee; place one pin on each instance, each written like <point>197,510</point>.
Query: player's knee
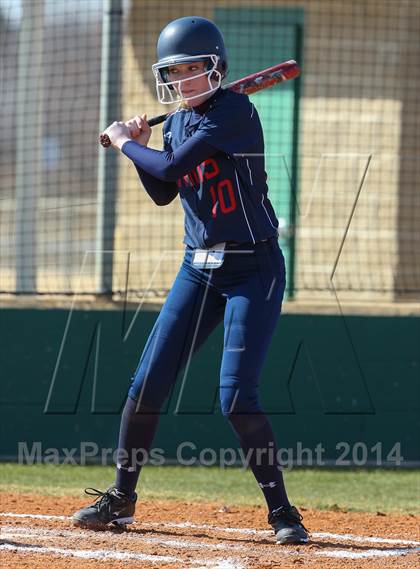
<point>148,396</point>
<point>234,401</point>
<point>135,406</point>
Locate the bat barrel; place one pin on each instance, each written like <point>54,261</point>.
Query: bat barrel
<point>265,78</point>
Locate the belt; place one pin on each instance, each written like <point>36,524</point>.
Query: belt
<point>229,245</point>
<point>234,245</point>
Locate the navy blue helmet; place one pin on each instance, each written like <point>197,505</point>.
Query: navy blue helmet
<point>186,40</point>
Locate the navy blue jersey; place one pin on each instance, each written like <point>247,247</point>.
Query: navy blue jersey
<point>225,196</point>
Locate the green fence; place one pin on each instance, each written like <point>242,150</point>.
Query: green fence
<point>338,389</point>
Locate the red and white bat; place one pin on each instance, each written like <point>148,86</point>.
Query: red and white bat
<point>247,85</point>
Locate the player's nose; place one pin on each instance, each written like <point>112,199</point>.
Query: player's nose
<point>187,78</point>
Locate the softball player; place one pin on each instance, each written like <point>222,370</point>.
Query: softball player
<point>233,269</point>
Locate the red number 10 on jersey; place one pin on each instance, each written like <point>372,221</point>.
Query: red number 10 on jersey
<point>223,195</point>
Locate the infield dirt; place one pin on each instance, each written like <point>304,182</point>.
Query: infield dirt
<point>197,535</point>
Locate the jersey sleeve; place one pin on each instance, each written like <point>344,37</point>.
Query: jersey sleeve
<point>167,165</point>
<point>162,193</point>
<point>231,126</point>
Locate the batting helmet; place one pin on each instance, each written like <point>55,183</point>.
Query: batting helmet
<point>185,40</point>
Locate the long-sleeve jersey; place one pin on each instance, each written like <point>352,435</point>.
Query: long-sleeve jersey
<point>214,158</point>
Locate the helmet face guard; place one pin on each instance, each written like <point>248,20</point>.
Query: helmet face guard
<point>169,92</point>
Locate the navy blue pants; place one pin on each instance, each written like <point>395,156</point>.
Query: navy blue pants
<point>246,292</point>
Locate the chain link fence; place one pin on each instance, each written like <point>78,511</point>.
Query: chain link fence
<point>342,144</point>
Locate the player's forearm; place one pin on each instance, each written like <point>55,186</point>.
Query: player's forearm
<point>169,166</point>
<point>162,193</point>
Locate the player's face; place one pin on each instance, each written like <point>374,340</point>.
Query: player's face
<point>193,81</point>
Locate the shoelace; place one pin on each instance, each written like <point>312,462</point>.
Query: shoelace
<point>104,498</point>
<point>288,515</point>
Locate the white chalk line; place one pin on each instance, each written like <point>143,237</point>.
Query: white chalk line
<point>368,553</point>
<point>195,544</point>
<point>106,554</point>
<point>88,554</point>
<point>245,531</point>
<point>12,531</point>
<point>33,516</point>
<point>363,539</point>
<point>319,535</point>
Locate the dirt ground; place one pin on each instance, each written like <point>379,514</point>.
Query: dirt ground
<point>37,532</point>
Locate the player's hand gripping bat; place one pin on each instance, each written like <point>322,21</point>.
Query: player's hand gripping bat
<point>247,85</point>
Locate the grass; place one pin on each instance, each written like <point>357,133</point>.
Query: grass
<point>351,490</point>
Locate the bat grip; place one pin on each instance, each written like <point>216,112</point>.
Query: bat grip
<point>106,142</point>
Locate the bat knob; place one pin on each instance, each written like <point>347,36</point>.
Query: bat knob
<point>104,140</point>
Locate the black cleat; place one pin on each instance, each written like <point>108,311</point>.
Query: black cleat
<point>287,524</point>
<point>111,507</point>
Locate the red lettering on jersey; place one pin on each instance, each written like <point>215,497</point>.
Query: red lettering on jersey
<point>195,178</point>
<point>213,169</point>
<point>199,173</point>
<point>185,180</point>
<point>214,200</point>
<point>206,170</point>
<point>230,194</point>
<point>226,201</point>
<point>190,180</point>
